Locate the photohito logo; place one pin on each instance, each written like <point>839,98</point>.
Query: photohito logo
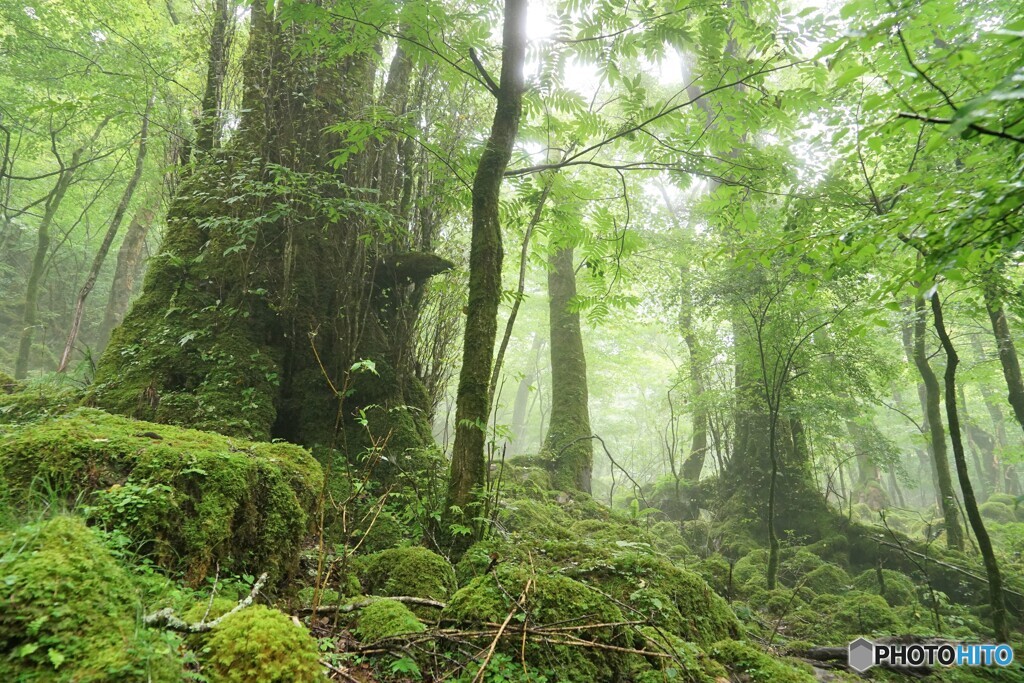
<point>864,654</point>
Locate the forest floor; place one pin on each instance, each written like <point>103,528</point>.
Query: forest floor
<point>132,551</point>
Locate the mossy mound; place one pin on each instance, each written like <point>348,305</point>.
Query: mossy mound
<point>836,620</point>
<point>189,499</point>
<point>551,600</point>
<point>686,662</point>
<point>384,619</point>
<point>997,512</point>
<point>412,571</point>
<point>751,569</point>
<point>264,645</point>
<point>828,578</point>
<point>70,611</point>
<point>674,599</point>
<point>717,571</point>
<point>898,590</point>
<point>748,663</point>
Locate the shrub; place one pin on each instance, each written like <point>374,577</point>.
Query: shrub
<point>259,644</point>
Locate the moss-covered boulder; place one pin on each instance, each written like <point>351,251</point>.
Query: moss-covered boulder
<point>686,662</point>
<point>385,619</point>
<point>674,599</point>
<point>29,404</point>
<point>412,571</point>
<point>69,611</point>
<point>259,644</point>
<point>828,578</point>
<point>995,511</point>
<point>838,619</point>
<point>896,588</point>
<point>748,663</point>
<point>189,499</point>
<point>550,600</point>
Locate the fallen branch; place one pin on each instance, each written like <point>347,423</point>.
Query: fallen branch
<point>359,604</point>
<point>166,618</point>
<point>947,565</point>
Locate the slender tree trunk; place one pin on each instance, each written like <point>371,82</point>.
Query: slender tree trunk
<point>995,581</point>
<point>947,496</point>
<point>128,268</point>
<point>485,257</point>
<point>53,203</point>
<point>927,459</point>
<point>1007,350</point>
<point>570,412</point>
<point>108,240</point>
<point>694,463</point>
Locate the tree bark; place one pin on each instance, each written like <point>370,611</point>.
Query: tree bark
<point>995,581</point>
<point>947,497</point>
<point>128,268</point>
<point>572,454</point>
<point>208,128</point>
<point>467,474</point>
<point>53,203</point>
<point>108,240</point>
<point>1007,350</point>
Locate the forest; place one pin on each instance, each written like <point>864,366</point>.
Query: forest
<point>519,341</point>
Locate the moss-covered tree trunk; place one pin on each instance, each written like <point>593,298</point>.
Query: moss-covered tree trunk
<point>128,267</point>
<point>568,439</point>
<point>947,496</point>
<point>485,258</point>
<point>1007,349</point>
<point>995,581</point>
<point>280,271</point>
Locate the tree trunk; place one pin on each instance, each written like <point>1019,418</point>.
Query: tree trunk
<point>947,497</point>
<point>472,405</point>
<point>53,202</point>
<point>1007,349</point>
<point>995,581</point>
<point>128,268</point>
<point>208,128</point>
<point>567,441</point>
<point>108,240</point>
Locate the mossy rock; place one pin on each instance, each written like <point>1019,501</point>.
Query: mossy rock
<point>411,571</point>
<point>836,620</point>
<point>70,611</point>
<point>995,511</point>
<point>899,590</point>
<point>777,603</point>
<point>799,562</point>
<point>677,600</point>
<point>686,663</point>
<point>264,645</point>
<point>8,385</point>
<point>384,619</point>
<point>189,499</point>
<point>550,599</point>
<point>751,569</point>
<point>828,578</point>
<point>715,569</point>
<point>748,663</point>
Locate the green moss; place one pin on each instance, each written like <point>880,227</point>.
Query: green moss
<point>33,404</point>
<point>384,619</point>
<point>865,614</point>
<point>551,599</point>
<point>757,667</point>
<point>675,599</point>
<point>687,662</point>
<point>798,563</point>
<point>777,603</point>
<point>412,571</point>
<point>264,645</point>
<point>997,512</point>
<point>751,569</point>
<point>189,499</point>
<point>828,578</point>
<point>327,596</point>
<point>836,620</point>
<point>70,611</point>
<point>715,570</point>
<point>899,590</point>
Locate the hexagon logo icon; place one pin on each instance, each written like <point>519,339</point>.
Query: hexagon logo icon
<point>861,655</point>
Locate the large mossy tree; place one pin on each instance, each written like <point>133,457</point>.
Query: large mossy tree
<point>285,291</point>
